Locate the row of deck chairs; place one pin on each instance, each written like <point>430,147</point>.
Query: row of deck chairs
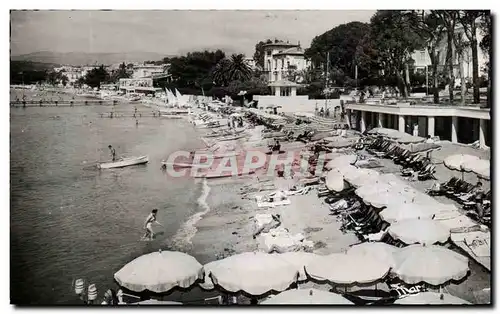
<point>410,162</point>
<point>356,217</point>
<point>462,192</point>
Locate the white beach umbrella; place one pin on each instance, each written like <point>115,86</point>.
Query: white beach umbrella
<point>380,199</point>
<point>347,269</point>
<point>454,162</point>
<point>160,272</point>
<point>300,260</point>
<point>361,176</point>
<point>423,231</point>
<point>341,161</point>
<point>480,167</point>
<point>375,250</point>
<point>255,273</point>
<point>306,296</point>
<point>335,180</point>
<point>430,298</point>
<point>397,212</point>
<point>156,302</point>
<point>431,264</point>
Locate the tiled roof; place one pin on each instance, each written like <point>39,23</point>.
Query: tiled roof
<point>281,43</point>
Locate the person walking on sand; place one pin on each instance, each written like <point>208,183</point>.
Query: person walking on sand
<point>148,224</point>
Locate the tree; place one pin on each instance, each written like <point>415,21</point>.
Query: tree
<point>64,80</point>
<point>449,19</point>
<point>461,45</point>
<point>341,43</point>
<point>253,86</point>
<point>233,69</point>
<point>469,21</point>
<point>54,77</point>
<point>220,72</point>
<point>394,41</point>
<point>121,72</point>
<point>27,72</point>
<point>238,68</point>
<point>96,76</point>
<point>486,46</point>
<point>368,64</point>
<point>430,29</point>
<point>259,53</point>
<point>194,67</point>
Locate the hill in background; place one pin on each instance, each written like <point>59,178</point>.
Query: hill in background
<point>81,58</point>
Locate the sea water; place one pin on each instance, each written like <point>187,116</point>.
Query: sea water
<point>70,220</point>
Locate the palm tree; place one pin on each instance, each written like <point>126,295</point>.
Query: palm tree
<point>220,73</point>
<point>238,68</point>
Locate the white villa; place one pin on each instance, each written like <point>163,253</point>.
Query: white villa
<point>422,59</point>
<point>143,78</point>
<point>146,70</point>
<point>281,58</point>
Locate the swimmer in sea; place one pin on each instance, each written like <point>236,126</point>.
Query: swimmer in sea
<point>148,225</point>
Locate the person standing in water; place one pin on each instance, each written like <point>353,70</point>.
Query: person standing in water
<point>148,224</point>
<point>113,152</point>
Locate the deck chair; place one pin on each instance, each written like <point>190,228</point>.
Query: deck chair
<point>427,173</point>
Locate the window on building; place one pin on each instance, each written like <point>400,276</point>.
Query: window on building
<point>288,64</point>
<point>422,55</point>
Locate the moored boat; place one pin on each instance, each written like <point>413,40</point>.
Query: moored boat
<point>216,175</point>
<point>230,138</point>
<point>124,162</point>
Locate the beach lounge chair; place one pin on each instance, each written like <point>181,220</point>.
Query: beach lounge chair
<point>450,189</point>
<point>406,172</point>
<point>353,206</point>
<point>401,156</point>
<point>408,160</point>
<point>427,173</point>
<point>373,237</point>
<point>443,187</point>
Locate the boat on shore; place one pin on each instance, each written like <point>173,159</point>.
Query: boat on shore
<point>230,138</point>
<point>216,175</point>
<point>124,162</point>
<point>171,116</point>
<point>223,133</point>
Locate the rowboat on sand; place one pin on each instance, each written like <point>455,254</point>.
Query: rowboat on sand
<point>124,162</point>
<point>217,174</point>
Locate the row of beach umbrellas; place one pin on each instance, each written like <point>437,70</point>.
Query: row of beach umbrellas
<point>469,163</point>
<point>415,217</point>
<point>257,274</point>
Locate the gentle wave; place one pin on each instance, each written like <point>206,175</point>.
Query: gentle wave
<point>187,231</point>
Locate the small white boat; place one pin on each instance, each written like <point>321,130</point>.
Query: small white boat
<point>124,162</point>
<point>181,164</point>
<point>230,138</point>
<point>216,175</point>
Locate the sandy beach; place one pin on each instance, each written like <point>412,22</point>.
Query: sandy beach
<point>227,226</point>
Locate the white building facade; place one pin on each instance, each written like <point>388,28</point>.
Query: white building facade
<point>283,58</point>
<point>147,70</point>
<point>422,58</point>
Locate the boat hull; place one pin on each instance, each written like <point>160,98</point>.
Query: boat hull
<point>222,175</point>
<point>125,162</point>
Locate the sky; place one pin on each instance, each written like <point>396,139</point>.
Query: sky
<point>169,32</point>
